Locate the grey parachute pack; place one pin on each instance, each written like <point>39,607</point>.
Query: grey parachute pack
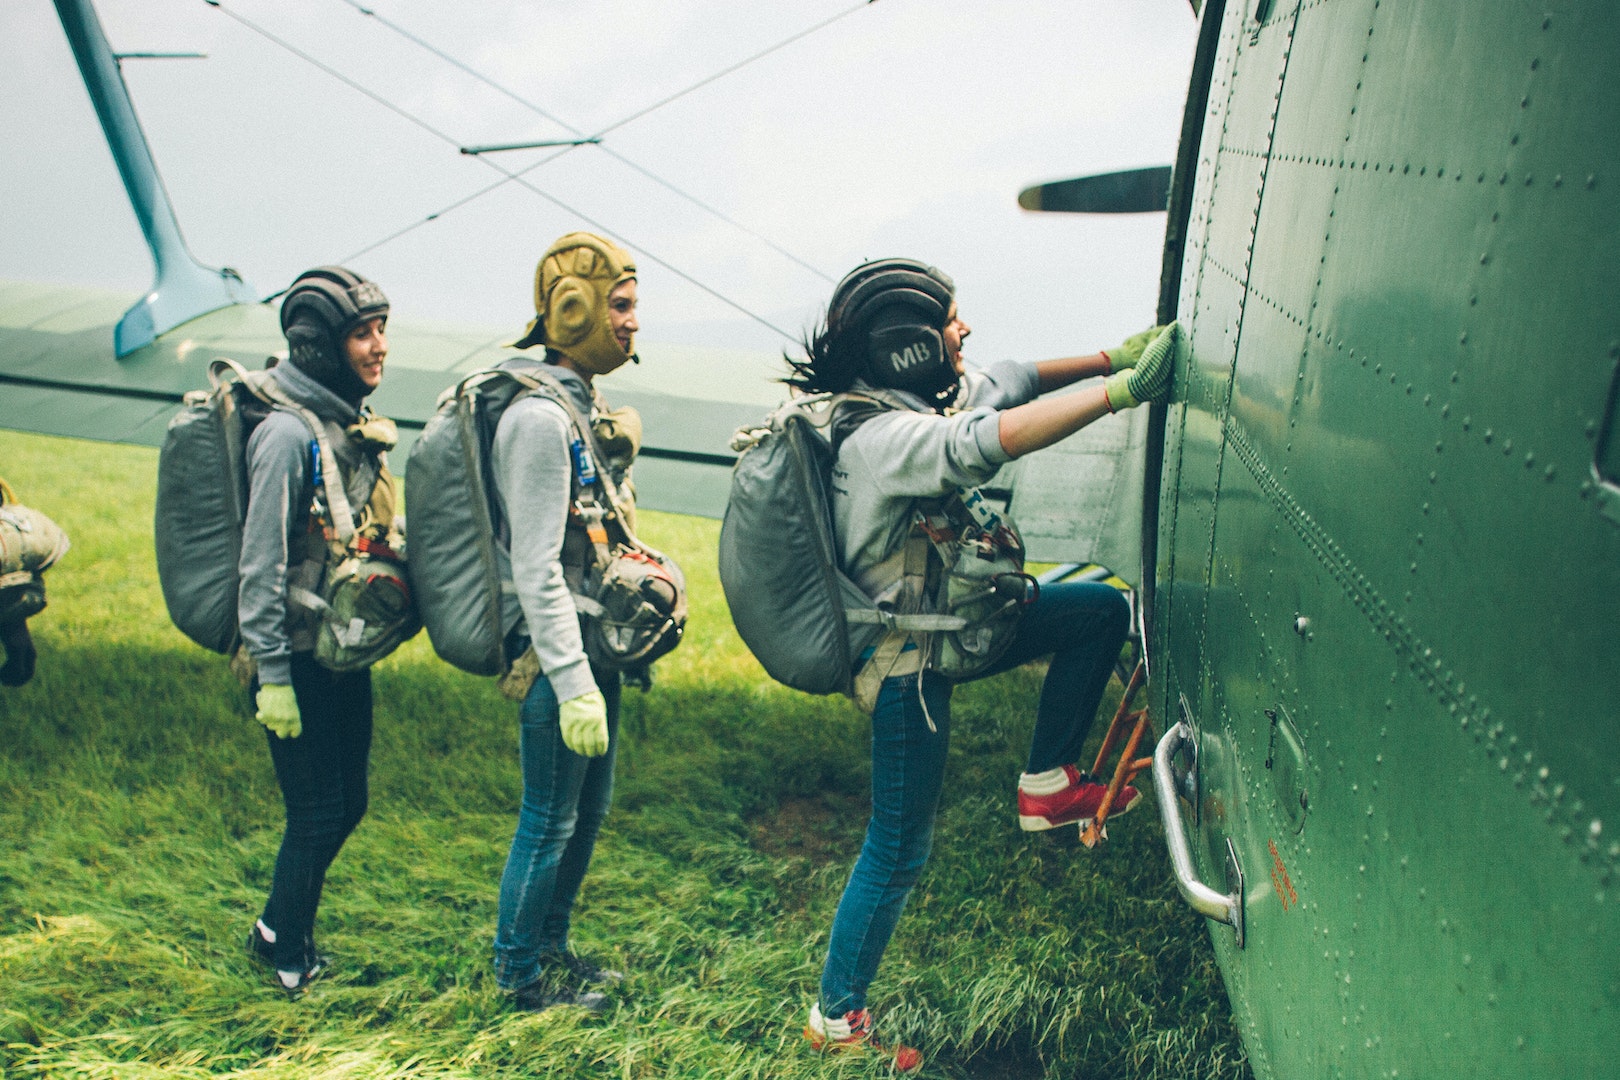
<point>359,593</point>
<point>30,544</point>
<point>633,596</point>
<point>803,618</point>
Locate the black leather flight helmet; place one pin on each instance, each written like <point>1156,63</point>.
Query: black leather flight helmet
<point>321,307</point>
<point>337,297</point>
<point>895,311</point>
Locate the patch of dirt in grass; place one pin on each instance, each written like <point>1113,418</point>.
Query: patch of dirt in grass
<point>821,828</point>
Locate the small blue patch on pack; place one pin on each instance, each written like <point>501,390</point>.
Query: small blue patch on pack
<point>583,466</point>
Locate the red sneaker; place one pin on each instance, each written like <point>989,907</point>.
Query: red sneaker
<point>854,1032</point>
<point>1076,803</point>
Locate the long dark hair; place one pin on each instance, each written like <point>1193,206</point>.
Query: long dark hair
<point>829,365</point>
<point>878,299</point>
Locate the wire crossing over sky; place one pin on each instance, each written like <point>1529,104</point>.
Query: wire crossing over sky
<point>594,138</point>
<point>520,176</point>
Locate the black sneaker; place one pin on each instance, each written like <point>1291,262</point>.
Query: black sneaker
<point>582,971</point>
<point>541,995</point>
<point>314,963</point>
<point>296,990</point>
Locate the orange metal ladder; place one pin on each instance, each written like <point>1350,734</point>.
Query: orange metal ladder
<point>1129,764</point>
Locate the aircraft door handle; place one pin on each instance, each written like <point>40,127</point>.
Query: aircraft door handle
<point>1224,907</point>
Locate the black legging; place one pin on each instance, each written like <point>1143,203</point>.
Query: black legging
<point>323,784</point>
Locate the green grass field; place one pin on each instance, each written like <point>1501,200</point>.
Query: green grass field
<point>139,821</point>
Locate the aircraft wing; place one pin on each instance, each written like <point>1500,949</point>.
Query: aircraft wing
<point>58,376</point>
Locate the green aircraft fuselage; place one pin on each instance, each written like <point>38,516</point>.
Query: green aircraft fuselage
<point>1387,555</point>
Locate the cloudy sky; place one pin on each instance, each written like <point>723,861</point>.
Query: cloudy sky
<point>902,127</point>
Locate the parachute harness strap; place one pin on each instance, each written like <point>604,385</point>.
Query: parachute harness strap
<point>329,480</point>
<point>590,511</point>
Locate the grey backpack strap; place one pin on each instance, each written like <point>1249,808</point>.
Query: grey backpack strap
<point>849,411</point>
<point>543,384</point>
<point>337,500</point>
<point>584,432</point>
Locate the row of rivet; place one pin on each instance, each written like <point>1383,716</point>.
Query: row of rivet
<point>1369,165</point>
<point>1431,671</point>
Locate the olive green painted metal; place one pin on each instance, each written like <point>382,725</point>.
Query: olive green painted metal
<point>1387,560</point>
<point>59,375</point>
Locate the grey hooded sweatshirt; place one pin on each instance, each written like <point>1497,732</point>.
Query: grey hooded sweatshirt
<point>280,491</point>
<point>532,466</point>
<point>895,458</point>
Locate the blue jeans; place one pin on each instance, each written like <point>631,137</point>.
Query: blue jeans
<point>565,798</point>
<point>1083,626</point>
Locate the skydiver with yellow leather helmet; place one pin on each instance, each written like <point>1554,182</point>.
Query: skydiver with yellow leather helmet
<point>545,468</point>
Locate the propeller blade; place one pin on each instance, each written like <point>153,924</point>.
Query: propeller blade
<point>1133,191</point>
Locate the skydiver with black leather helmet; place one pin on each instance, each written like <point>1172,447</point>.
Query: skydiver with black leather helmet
<point>919,433</point>
<point>318,722</point>
<point>585,318</point>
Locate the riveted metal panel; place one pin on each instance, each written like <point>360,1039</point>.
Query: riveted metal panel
<point>1187,488</point>
<point>1221,230</point>
<point>1469,402</point>
<point>1409,553</point>
<point>1267,383</point>
<point>1289,245</point>
<point>1461,76</point>
<point>1314,110</point>
<point>1213,305</point>
<point>1198,483</point>
<point>1370,393</point>
<point>1249,651</point>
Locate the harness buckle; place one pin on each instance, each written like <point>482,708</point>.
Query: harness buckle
<point>1020,588</point>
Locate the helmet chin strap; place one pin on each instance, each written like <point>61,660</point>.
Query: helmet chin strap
<point>598,354</point>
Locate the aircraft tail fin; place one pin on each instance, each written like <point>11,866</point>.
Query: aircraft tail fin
<point>184,288</point>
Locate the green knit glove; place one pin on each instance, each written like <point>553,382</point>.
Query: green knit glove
<point>1128,352</point>
<point>1149,379</point>
<point>278,711</point>
<point>584,724</point>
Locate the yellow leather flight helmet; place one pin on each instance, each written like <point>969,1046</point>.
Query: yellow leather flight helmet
<point>571,287</point>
